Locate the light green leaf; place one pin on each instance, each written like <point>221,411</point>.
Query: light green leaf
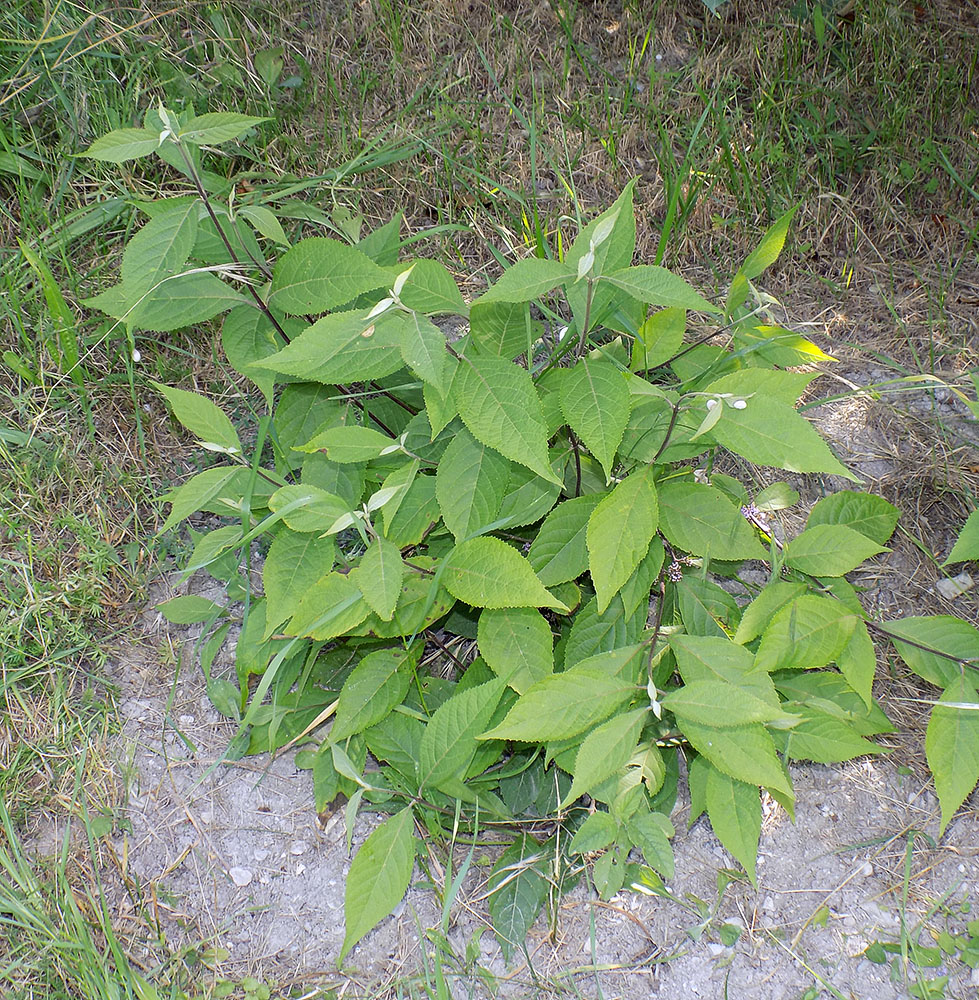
<point>597,832</point>
<point>295,561</point>
<point>700,519</point>
<point>264,222</point>
<point>14,163</point>
<point>943,633</point>
<point>503,329</point>
<point>775,345</point>
<point>160,249</point>
<point>858,662</point>
<point>320,273</point>
<point>720,704</point>
<point>216,127</point>
<point>870,515</point>
<point>762,257</point>
<point>203,419</point>
<point>414,515</point>
<point>786,387</point>
<point>431,290</point>
<point>593,632</point>
<point>374,687</point>
<point>189,609</point>
<point>659,338</point>
<point>122,145</point>
<point>952,746</point>
<point>605,751</point>
<point>198,491</point>
<point>527,279</point>
<point>487,573</point>
<point>703,658</point>
<point>563,705</point>
<point>470,484</point>
<point>705,608</point>
<point>378,877</point>
<point>619,532</point>
<point>966,546</point>
<point>449,741</point>
<point>745,752</point>
<point>311,509</point>
<point>829,550</point>
<point>416,609</point>
<point>759,613</point>
<point>517,644</point>
<point>343,347</point>
<point>636,590</point>
<point>529,497</point>
<point>651,832</point>
<point>770,432</point>
<point>381,575</point>
<point>654,285</point>
<point>349,444</point>
<point>734,809</point>
<point>499,405</point>
<point>559,552</point>
<point>247,336</point>
<point>809,632</point>
<point>423,350</point>
<point>825,739</point>
<point>595,399</point>
<point>333,606</point>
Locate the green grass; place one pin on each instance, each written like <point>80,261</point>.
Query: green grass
<point>495,130</point>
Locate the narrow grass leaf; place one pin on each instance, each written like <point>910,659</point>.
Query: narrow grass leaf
<point>378,877</point>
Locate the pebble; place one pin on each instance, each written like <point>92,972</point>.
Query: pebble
<point>717,949</point>
<point>865,870</point>
<point>261,854</point>
<point>298,847</point>
<point>974,978</point>
<point>186,720</point>
<point>240,876</point>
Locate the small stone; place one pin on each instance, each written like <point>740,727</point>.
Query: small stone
<point>974,978</point>
<point>240,876</point>
<point>261,854</point>
<point>768,904</point>
<point>298,847</point>
<point>865,870</point>
<point>206,817</point>
<point>716,949</point>
<point>186,720</point>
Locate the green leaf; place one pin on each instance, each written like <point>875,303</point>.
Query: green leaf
<point>350,444</point>
<point>595,399</point>
<point>378,877</point>
<point>636,590</point>
<point>705,608</point>
<point>517,890</point>
<point>529,497</point>
<point>769,432</point>
<point>597,832</point>
<point>160,249</point>
<point>216,127</point>
<point>487,573</point>
<point>527,279</point>
<point>431,290</point>
<point>825,739</point>
<point>320,273</point>
<point>199,491</point>
<point>829,550</point>
<point>654,285</point>
<point>343,347</point>
<point>470,484</point>
<point>188,609</point>
<point>203,419</point>
<point>702,658</point>
<point>659,338</point>
<point>734,809</point>
<point>720,704</point>
<point>332,606</point>
<point>417,512</point>
<point>517,644</point>
<point>745,752</point>
<point>449,741</point>
<point>701,520</point>
<point>762,257</point>
<point>122,145</point>
<point>605,751</point>
<point>809,632</point>
<point>943,633</point>
<point>870,515</point>
<point>786,387</point>
<point>651,832</point>
<point>310,508</point>
<point>952,746</point>
<point>294,563</point>
<point>264,222</point>
<point>775,345</point>
<point>966,546</point>
<point>500,407</point>
<point>374,687</point>
<point>247,336</point>
<point>380,577</point>
<point>593,632</point>
<point>619,532</point>
<point>503,329</point>
<point>423,350</point>
<point>858,662</point>
<point>759,613</point>
<point>563,705</point>
<point>559,552</point>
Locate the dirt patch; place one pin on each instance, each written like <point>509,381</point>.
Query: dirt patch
<point>234,854</point>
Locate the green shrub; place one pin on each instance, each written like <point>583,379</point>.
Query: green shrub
<point>527,492</point>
